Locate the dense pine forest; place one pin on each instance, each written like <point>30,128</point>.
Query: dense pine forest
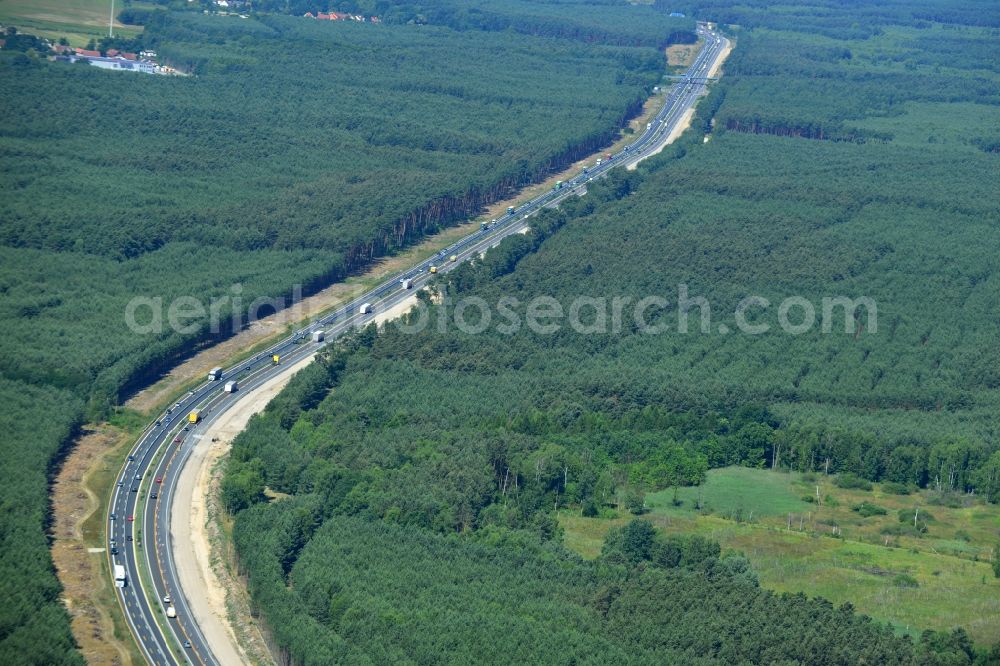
<point>846,152</point>
<point>293,152</point>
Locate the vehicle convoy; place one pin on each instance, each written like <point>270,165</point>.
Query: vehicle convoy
<point>120,578</point>
<point>215,374</point>
<point>194,416</point>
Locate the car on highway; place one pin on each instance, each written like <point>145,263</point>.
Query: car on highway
<point>187,644</point>
<point>135,488</point>
<point>114,550</point>
<point>159,479</point>
<point>152,495</point>
<point>177,440</point>
<point>121,483</point>
<point>131,518</point>
<point>112,516</point>
<point>128,537</point>
<point>166,598</point>
<point>131,457</point>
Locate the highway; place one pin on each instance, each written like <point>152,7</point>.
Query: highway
<point>139,511</point>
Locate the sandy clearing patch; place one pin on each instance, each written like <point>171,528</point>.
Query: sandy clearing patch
<point>198,552</point>
<point>682,55</point>
<point>86,590</point>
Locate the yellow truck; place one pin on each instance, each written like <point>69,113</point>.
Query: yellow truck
<point>434,269</point>
<point>275,358</point>
<point>194,416</point>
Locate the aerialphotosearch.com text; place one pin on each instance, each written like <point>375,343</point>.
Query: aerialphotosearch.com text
<point>584,314</point>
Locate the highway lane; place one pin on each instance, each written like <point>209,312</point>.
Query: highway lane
<point>148,558</point>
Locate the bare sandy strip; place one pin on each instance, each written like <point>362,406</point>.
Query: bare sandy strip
<point>682,124</point>
<point>722,58</point>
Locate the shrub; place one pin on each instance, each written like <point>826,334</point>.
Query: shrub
<point>635,502</point>
<point>949,500</point>
<point>923,516</point>
<point>894,488</point>
<point>905,530</point>
<point>867,509</point>
<point>905,580</point>
<point>851,481</point>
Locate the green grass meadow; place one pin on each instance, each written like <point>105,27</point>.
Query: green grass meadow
<point>950,564</point>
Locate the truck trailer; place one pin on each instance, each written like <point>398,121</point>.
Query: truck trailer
<point>407,283</point>
<point>366,308</point>
<point>194,416</point>
<point>215,374</point>
<point>318,336</point>
<point>231,387</point>
<point>120,578</point>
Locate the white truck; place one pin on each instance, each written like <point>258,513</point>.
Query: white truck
<point>231,387</point>
<point>366,308</point>
<point>215,374</point>
<point>318,336</point>
<point>171,612</point>
<point>407,283</point>
<point>120,578</point>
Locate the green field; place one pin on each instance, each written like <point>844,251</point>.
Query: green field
<point>77,20</point>
<point>734,490</point>
<point>955,583</point>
